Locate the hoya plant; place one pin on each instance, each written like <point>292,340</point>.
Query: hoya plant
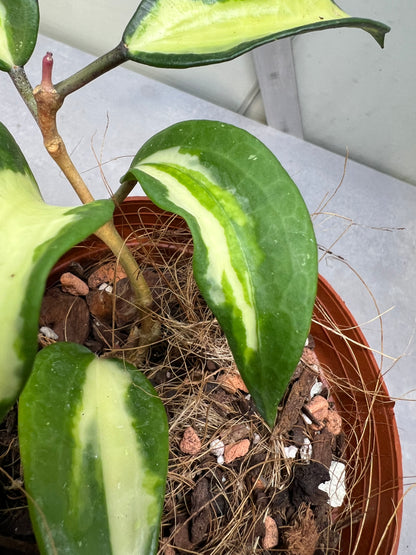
<point>93,434</point>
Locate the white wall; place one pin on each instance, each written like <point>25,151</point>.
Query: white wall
<point>355,95</point>
<point>352,93</point>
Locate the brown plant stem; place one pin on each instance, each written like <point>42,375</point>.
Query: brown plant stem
<point>48,102</point>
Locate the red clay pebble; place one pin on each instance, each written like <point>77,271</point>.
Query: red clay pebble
<point>106,274</point>
<point>271,535</point>
<point>258,483</point>
<point>236,450</point>
<point>334,423</point>
<point>190,443</point>
<point>73,285</point>
<point>232,382</point>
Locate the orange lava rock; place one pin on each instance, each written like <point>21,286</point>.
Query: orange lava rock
<point>236,450</point>
<point>73,285</point>
<point>319,408</point>
<point>106,273</point>
<point>232,382</point>
<point>190,443</point>
<point>334,423</point>
<point>271,535</point>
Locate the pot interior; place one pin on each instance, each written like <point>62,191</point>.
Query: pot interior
<point>357,387</point>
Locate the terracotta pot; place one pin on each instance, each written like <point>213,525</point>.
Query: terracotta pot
<point>357,387</point>
<point>367,410</point>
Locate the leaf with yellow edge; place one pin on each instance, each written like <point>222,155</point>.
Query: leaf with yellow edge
<point>184,33</point>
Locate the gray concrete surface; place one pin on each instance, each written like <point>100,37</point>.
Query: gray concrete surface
<point>372,215</point>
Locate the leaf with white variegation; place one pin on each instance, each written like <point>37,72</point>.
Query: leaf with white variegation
<point>33,235</point>
<point>255,254</point>
<point>184,33</point>
<point>19,22</point>
<point>94,445</point>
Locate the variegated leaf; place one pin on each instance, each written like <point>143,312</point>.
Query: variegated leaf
<point>94,445</point>
<point>184,33</point>
<point>33,235</point>
<point>255,257</point>
<point>19,22</point>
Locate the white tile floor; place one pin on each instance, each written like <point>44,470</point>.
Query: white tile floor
<point>379,244</point>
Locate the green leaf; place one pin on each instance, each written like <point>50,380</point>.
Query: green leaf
<point>94,445</point>
<point>19,22</point>
<point>33,235</point>
<point>187,33</point>
<point>255,255</point>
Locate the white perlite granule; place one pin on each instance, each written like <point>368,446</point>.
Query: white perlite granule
<point>335,487</point>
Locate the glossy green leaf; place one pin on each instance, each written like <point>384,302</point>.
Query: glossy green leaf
<point>184,33</point>
<point>33,235</point>
<point>94,445</point>
<point>255,257</point>
<point>19,22</point>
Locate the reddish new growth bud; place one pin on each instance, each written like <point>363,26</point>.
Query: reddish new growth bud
<point>47,65</point>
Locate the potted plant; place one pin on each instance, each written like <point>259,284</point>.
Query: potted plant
<point>255,263</point>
